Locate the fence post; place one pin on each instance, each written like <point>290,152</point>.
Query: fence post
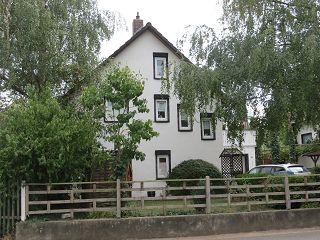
<point>164,197</point>
<point>118,198</point>
<point>208,195</point>
<point>23,201</point>
<point>287,192</point>
<point>248,197</point>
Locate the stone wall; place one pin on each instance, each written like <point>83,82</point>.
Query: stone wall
<point>173,226</point>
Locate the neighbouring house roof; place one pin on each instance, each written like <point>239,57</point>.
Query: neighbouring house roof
<point>311,154</point>
<point>158,35</point>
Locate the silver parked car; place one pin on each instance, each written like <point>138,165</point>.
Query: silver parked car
<point>290,169</point>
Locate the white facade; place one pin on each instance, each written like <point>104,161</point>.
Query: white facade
<point>305,134</point>
<point>138,55</point>
<point>248,146</point>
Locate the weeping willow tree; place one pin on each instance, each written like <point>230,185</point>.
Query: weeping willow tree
<point>267,59</point>
<point>51,43</point>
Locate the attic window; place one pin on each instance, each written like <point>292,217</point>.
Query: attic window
<point>160,65</point>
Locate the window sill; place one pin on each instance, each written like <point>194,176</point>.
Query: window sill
<point>161,121</point>
<point>185,130</point>
<point>208,139</point>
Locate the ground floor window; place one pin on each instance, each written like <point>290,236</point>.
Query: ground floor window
<point>163,163</point>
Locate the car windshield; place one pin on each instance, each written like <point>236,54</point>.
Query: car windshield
<point>297,169</point>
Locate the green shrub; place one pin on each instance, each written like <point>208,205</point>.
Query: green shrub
<point>315,170</point>
<point>193,169</point>
<point>310,205</point>
<point>263,179</point>
<point>251,179</point>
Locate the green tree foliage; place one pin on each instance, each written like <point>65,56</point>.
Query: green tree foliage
<point>50,43</point>
<point>275,148</point>
<point>193,169</point>
<point>268,59</point>
<point>120,92</point>
<point>42,142</point>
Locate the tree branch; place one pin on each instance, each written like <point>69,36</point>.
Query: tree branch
<point>3,77</point>
<point>18,90</point>
<point>282,3</point>
<point>15,88</point>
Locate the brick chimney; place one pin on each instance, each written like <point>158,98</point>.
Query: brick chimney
<point>136,24</point>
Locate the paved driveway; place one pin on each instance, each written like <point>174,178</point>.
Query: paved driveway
<point>292,234</point>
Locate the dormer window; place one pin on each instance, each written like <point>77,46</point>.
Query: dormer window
<point>160,65</point>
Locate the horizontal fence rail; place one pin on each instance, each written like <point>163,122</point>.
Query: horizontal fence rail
<point>168,197</point>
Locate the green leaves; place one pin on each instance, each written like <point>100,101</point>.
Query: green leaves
<point>266,61</point>
<point>117,98</point>
<point>42,142</point>
<point>51,43</point>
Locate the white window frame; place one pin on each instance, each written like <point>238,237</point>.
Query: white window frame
<point>163,154</point>
<point>157,99</point>
<point>203,118</point>
<point>163,57</point>
<point>180,127</point>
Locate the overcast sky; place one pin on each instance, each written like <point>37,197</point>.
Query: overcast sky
<point>170,17</point>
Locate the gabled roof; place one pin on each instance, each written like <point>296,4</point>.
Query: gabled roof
<point>158,35</point>
<point>227,152</point>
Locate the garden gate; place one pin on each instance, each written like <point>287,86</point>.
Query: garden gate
<point>233,162</point>
<point>9,211</point>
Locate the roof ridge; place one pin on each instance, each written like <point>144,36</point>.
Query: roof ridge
<point>158,35</point>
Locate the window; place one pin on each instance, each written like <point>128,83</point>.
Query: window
<point>266,170</point>
<point>255,170</point>
<point>306,138</point>
<point>161,108</point>
<point>184,121</point>
<point>163,163</point>
<point>278,170</point>
<point>111,114</point>
<point>160,65</point>
<point>207,131</point>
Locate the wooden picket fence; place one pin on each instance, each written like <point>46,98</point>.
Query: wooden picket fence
<point>161,197</point>
<point>9,211</point>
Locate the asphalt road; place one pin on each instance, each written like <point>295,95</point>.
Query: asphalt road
<point>292,234</point>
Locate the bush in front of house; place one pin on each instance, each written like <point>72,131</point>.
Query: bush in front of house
<point>193,169</point>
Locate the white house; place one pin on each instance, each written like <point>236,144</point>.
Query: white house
<point>148,53</point>
<point>305,135</point>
